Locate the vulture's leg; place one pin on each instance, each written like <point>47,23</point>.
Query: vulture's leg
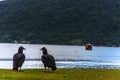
<point>45,67</point>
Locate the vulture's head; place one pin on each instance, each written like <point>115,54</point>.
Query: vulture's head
<point>21,48</point>
<point>44,50</point>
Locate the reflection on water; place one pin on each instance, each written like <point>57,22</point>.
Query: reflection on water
<point>66,56</point>
<point>63,64</point>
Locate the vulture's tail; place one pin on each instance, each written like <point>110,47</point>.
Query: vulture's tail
<point>54,68</point>
<point>15,68</point>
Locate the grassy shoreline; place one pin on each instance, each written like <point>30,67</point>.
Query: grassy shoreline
<point>61,74</point>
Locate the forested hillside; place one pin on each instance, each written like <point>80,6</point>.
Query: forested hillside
<point>71,22</point>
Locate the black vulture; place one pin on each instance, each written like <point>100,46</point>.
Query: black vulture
<point>18,58</point>
<point>48,60</point>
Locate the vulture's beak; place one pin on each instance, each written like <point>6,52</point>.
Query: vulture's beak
<point>41,49</point>
<point>24,48</point>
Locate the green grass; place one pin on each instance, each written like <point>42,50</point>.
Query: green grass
<point>60,74</point>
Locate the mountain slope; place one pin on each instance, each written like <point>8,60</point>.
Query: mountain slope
<point>61,21</point>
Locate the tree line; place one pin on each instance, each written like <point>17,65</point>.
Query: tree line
<point>71,22</point>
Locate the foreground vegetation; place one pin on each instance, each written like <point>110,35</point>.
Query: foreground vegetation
<point>61,74</point>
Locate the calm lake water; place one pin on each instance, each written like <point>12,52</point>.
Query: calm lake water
<point>66,56</point>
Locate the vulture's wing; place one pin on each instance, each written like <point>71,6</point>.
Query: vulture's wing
<point>48,60</point>
<point>15,61</point>
<point>21,59</point>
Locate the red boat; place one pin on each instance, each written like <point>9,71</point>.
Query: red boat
<point>88,46</point>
